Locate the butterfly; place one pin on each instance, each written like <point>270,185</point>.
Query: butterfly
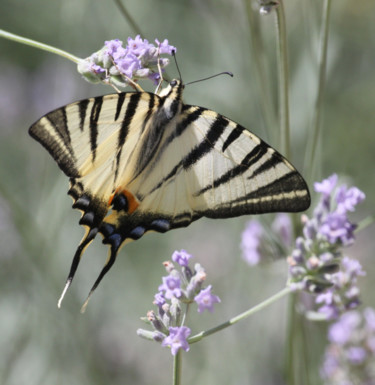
<point>141,162</point>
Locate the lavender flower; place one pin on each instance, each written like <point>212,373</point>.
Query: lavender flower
<point>180,288</point>
<point>251,239</point>
<point>171,287</point>
<point>119,66</point>
<point>181,257</point>
<point>159,299</point>
<point>206,300</point>
<point>326,186</point>
<point>315,262</point>
<point>258,242</point>
<point>350,358</point>
<point>282,226</point>
<point>177,339</point>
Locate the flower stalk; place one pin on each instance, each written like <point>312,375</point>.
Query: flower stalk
<point>316,124</point>
<point>283,76</point>
<point>37,44</point>
<point>241,316</point>
<point>177,368</point>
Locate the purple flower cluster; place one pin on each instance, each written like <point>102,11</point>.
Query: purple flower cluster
<point>343,295</point>
<point>315,262</point>
<point>350,357</point>
<point>182,286</point>
<point>258,243</point>
<point>120,66</point>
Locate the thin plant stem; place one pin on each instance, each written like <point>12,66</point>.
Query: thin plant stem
<point>365,223</point>
<point>128,17</point>
<point>283,78</point>
<point>177,368</point>
<point>310,163</point>
<point>262,79</point>
<point>291,328</point>
<point>241,316</point>
<point>36,44</point>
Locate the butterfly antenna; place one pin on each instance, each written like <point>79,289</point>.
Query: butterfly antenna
<point>86,240</point>
<point>108,264</point>
<point>210,77</point>
<point>175,60</point>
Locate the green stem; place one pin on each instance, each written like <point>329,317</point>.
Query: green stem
<point>283,71</point>
<point>129,18</point>
<point>261,67</point>
<point>177,368</point>
<point>291,325</point>
<point>241,316</point>
<point>365,223</point>
<point>36,44</point>
<point>316,123</point>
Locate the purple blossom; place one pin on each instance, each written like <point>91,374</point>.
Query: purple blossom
<point>138,46</point>
<point>171,286</point>
<point>154,77</point>
<point>337,228</point>
<point>349,358</point>
<point>326,186</point>
<point>282,225</point>
<point>115,49</point>
<point>315,262</point>
<point>343,294</point>
<point>206,300</point>
<point>352,268</point>
<point>159,299</point>
<point>177,339</point>
<point>128,65</point>
<point>165,47</point>
<point>340,332</point>
<point>250,243</point>
<point>356,355</point>
<point>179,288</point>
<point>369,315</point>
<point>116,64</point>
<point>97,68</point>
<point>181,257</point>
<point>347,199</point>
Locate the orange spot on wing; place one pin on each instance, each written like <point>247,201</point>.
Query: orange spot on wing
<point>133,202</point>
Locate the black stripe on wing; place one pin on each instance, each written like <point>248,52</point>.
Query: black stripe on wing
<point>189,117</point>
<point>205,146</point>
<point>288,193</point>
<point>82,108</point>
<point>250,159</point>
<point>52,132</point>
<point>130,111</point>
<point>235,134</point>
<point>94,117</point>
<point>120,102</point>
<point>214,132</point>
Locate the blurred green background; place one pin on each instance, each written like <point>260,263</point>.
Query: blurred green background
<point>40,344</point>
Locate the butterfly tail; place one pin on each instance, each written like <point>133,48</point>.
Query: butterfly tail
<point>86,240</point>
<point>115,243</point>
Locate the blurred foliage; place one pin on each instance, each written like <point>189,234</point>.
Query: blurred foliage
<point>39,232</point>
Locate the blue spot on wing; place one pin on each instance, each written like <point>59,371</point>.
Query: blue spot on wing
<point>137,232</point>
<point>160,225</point>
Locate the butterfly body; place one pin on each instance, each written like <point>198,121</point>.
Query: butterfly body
<point>142,162</point>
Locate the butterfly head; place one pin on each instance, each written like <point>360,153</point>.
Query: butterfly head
<point>174,88</point>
